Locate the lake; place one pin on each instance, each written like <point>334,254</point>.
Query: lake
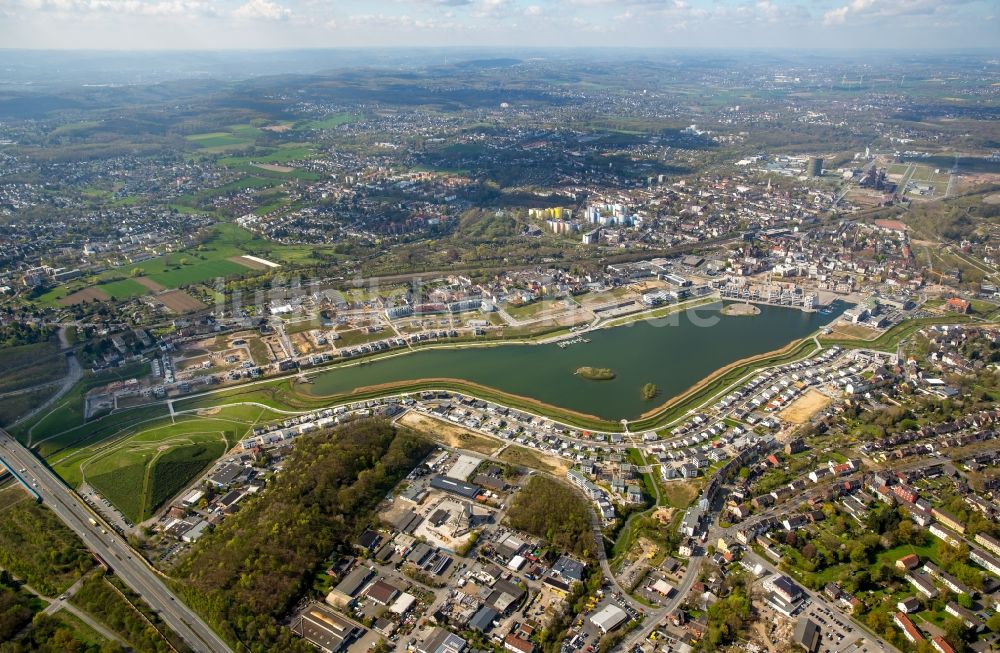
<point>673,353</point>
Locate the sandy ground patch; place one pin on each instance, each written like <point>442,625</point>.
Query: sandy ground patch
<point>149,283</point>
<point>302,344</point>
<point>856,331</point>
<point>253,262</point>
<point>248,263</point>
<point>205,412</point>
<point>525,457</point>
<point>85,295</point>
<point>803,408</point>
<point>449,434</point>
<point>663,515</point>
<point>179,301</point>
<point>278,129</point>
<point>273,167</point>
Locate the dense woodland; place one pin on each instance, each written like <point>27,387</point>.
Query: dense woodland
<point>555,512</point>
<point>248,574</point>
<point>37,547</point>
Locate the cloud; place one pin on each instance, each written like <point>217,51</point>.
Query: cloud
<point>262,10</point>
<point>879,9</point>
<point>393,21</point>
<point>123,7</point>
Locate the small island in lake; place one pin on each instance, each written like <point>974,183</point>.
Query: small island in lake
<point>595,373</point>
<point>740,310</point>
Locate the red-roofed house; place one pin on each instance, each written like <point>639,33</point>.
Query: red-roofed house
<point>909,630</point>
<point>941,644</point>
<point>958,305</point>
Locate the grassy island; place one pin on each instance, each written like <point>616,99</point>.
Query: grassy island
<point>596,373</point>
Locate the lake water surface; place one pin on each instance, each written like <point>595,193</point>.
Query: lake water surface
<point>674,355</point>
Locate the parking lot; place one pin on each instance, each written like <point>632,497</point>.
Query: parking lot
<point>837,633</point>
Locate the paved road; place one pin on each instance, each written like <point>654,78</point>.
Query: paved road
<point>655,619</point>
<point>114,550</point>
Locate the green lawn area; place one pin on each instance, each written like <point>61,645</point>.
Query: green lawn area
<point>926,552</point>
<point>302,326</point>
<point>139,476</point>
<point>147,463</point>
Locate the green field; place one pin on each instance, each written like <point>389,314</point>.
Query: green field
<point>279,155</point>
<point>197,273</point>
<point>234,137</point>
<point>141,464</point>
<point>141,473</point>
<point>124,288</point>
<point>26,366</point>
<point>14,406</point>
<point>199,264</point>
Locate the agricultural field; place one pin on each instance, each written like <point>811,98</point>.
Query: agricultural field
<point>217,257</point>
<point>233,138</point>
<point>179,301</point>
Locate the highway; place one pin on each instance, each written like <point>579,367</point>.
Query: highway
<point>113,549</point>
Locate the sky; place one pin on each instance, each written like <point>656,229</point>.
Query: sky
<point>279,24</point>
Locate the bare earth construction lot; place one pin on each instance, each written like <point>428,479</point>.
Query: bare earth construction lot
<point>803,408</point>
<point>448,434</point>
